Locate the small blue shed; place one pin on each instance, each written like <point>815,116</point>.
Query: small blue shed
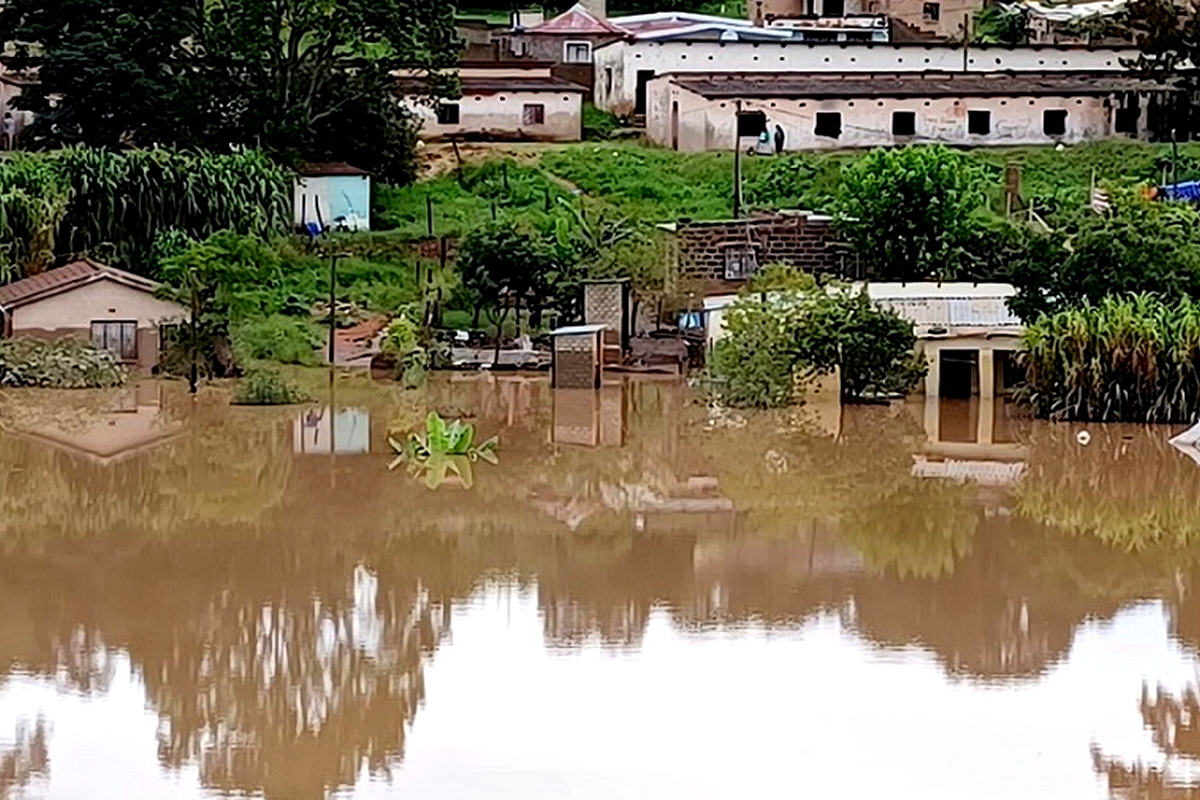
<point>333,196</point>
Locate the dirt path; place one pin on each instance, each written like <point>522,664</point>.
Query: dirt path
<point>437,158</point>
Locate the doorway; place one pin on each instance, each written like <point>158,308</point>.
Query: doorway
<point>644,76</point>
<point>674,124</point>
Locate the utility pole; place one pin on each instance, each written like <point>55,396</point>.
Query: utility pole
<point>333,257</point>
<point>737,161</point>
<point>193,377</point>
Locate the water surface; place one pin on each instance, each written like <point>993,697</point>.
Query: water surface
<point>643,599</point>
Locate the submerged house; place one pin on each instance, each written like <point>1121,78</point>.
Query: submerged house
<point>965,331</point>
<point>115,310</point>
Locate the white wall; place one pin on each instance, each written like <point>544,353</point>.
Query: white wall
<point>103,300</point>
<point>711,125</point>
<point>625,59</point>
<point>502,116</point>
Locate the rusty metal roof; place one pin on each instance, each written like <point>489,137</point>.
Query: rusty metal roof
<point>70,276</point>
<point>577,21</point>
<point>916,84</point>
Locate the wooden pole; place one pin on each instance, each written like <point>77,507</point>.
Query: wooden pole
<point>193,376</point>
<point>429,214</point>
<point>332,306</point>
<point>737,161</point>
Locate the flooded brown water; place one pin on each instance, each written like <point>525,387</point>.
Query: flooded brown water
<point>643,599</point>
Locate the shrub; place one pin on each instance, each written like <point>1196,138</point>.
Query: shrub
<point>1125,359</point>
<point>59,364</point>
<point>403,342</point>
<point>775,338</point>
<point>279,338</point>
<point>597,123</point>
<point>265,386</point>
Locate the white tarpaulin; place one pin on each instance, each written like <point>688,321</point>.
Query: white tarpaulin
<point>1074,12</point>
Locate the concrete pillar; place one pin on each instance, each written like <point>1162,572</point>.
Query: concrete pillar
<point>933,377</point>
<point>987,396</point>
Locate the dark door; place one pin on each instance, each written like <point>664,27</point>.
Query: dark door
<point>643,77</point>
<point>834,8</point>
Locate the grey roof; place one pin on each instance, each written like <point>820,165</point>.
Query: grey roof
<point>915,84</point>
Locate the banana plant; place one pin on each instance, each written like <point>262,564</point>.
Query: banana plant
<point>445,450</point>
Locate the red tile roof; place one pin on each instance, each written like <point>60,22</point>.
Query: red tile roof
<point>53,281</point>
<point>577,20</point>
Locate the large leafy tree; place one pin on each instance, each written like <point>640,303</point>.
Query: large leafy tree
<point>911,212</point>
<point>303,79</point>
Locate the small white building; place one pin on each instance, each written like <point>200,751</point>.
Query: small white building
<point>693,112</point>
<point>625,68</point>
<point>332,196</point>
<point>502,101</point>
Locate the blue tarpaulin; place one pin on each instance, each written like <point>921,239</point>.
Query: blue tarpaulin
<point>1188,191</point>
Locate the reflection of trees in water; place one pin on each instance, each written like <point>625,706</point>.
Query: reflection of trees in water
<point>291,696</point>
<point>1127,486</point>
<point>1174,725</point>
<point>26,758</point>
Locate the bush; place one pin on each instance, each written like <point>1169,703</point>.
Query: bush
<point>279,338</point>
<point>1127,359</point>
<point>59,364</point>
<point>774,339</point>
<point>597,123</point>
<point>264,386</point>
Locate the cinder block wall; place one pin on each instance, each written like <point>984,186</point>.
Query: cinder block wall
<point>804,241</point>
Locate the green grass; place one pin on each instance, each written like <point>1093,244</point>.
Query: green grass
<point>654,186</point>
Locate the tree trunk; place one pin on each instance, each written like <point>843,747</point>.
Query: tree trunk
<point>499,334</point>
<point>478,310</point>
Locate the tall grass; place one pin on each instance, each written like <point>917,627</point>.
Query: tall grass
<point>113,205</point>
<point>1124,359</point>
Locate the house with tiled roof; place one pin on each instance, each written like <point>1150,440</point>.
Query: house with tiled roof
<point>114,309</point>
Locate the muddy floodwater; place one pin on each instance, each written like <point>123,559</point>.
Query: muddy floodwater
<point>641,599</point>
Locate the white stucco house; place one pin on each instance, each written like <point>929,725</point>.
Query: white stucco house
<point>505,101</point>
<point>115,310</point>
<point>710,111</point>
<point>625,68</point>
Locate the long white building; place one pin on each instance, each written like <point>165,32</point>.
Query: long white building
<point>624,69</point>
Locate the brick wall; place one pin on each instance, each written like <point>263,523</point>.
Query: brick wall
<point>712,254</point>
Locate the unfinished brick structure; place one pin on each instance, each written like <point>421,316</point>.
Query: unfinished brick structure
<point>718,256</point>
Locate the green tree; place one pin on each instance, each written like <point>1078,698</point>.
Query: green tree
<point>1000,25</point>
<point>1139,246</point>
<point>502,267</point>
<point>909,212</point>
<point>303,79</point>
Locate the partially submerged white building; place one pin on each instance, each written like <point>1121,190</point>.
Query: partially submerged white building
<point>965,330</point>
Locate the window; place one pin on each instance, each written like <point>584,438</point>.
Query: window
<point>118,338</point>
<point>904,123</point>
<point>829,124</point>
<point>447,113</point>
<point>577,52</point>
<point>740,262</point>
<point>751,123</point>
<point>1054,121</point>
<point>932,12</point>
<point>534,114</point>
<point>979,123</point>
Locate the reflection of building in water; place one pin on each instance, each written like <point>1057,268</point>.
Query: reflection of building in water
<point>322,431</point>
<point>132,424</point>
<point>24,759</point>
<point>971,438</point>
<point>590,417</point>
